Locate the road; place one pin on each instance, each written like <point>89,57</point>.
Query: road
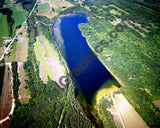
<point>42,23</point>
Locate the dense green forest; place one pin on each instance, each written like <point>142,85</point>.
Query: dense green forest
<point>1,3</point>
<point>16,82</point>
<point>106,116</point>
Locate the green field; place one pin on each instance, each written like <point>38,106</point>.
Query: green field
<point>42,6</point>
<point>18,16</point>
<point>4,27</point>
<point>40,53</point>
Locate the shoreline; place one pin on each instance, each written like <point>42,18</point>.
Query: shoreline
<point>113,75</point>
<point>122,85</point>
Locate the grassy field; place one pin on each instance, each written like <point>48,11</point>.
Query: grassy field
<point>42,59</point>
<point>15,51</point>
<point>42,6</point>
<point>3,26</point>
<point>18,16</point>
<point>51,60</point>
<point>22,47</point>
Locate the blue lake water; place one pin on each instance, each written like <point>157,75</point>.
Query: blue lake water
<point>88,71</point>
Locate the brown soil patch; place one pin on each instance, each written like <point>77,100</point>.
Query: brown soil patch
<point>57,4</point>
<point>22,47</point>
<point>56,70</point>
<point>5,124</point>
<point>6,96</point>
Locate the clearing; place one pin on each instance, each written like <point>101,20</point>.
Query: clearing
<point>19,15</point>
<point>50,64</point>
<point>130,117</point>
<point>4,27</point>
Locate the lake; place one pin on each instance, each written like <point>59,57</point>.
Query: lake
<point>88,71</point>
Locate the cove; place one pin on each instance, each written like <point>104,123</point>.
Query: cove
<point>75,50</point>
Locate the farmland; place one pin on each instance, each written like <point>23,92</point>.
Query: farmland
<point>18,15</point>
<point>4,27</point>
<point>6,95</point>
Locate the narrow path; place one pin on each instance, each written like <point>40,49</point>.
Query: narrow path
<point>42,23</point>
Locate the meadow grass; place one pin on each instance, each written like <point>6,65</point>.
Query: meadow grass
<point>38,49</point>
<point>18,16</point>
<point>3,26</point>
<point>43,6</point>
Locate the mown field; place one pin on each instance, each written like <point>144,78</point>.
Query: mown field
<point>3,26</point>
<point>42,6</point>
<point>19,15</point>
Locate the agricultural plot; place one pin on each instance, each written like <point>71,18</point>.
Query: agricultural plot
<point>45,10</point>
<point>19,49</point>
<point>18,16</point>
<point>22,47</point>
<point>42,6</point>
<point>49,62</point>
<point>6,96</point>
<point>3,27</point>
